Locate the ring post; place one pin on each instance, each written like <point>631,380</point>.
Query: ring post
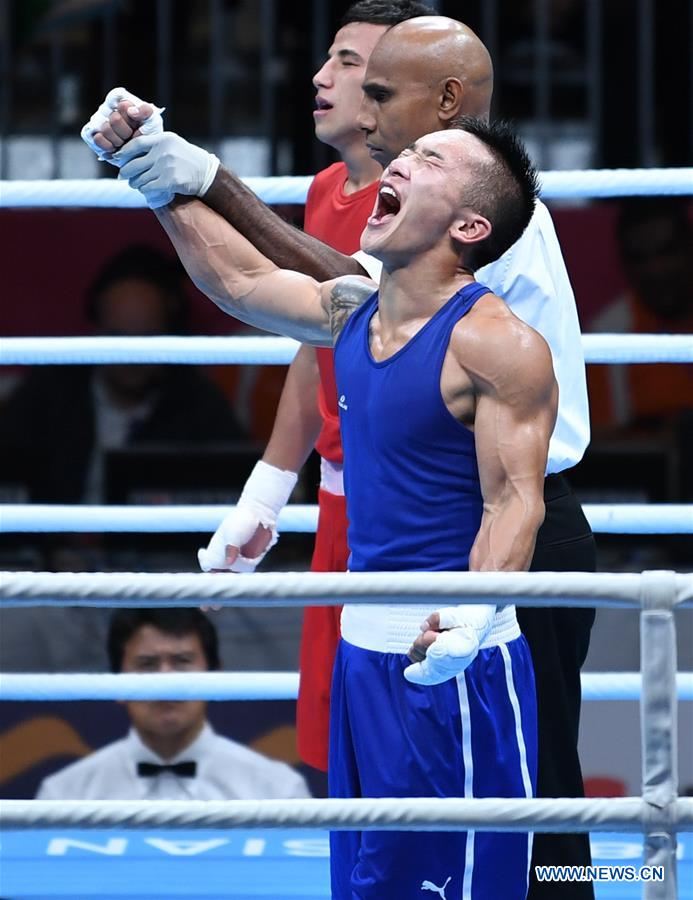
<point>658,729</point>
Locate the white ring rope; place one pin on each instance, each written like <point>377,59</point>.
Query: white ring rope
<point>118,589</point>
<point>605,518</point>
<point>295,517</point>
<point>109,192</point>
<point>383,814</point>
<point>585,183</point>
<point>638,518</point>
<point>245,686</point>
<point>638,348</point>
<point>252,350</point>
<point>146,686</point>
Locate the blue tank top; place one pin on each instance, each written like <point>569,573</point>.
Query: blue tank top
<point>410,473</point>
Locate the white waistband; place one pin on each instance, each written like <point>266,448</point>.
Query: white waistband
<point>331,477</point>
<point>392,629</point>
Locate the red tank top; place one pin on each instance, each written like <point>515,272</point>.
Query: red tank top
<point>336,219</point>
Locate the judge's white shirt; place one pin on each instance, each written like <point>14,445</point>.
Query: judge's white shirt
<point>532,279</point>
<point>225,771</point>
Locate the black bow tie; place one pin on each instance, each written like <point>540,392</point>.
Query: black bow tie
<point>186,769</point>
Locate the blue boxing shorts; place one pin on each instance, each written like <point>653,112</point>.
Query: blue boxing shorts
<point>472,736</point>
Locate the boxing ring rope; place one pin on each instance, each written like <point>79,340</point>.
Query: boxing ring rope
<point>252,350</point>
<point>246,686</point>
<point>115,589</point>
<point>604,518</point>
<point>363,814</point>
<point>558,185</point>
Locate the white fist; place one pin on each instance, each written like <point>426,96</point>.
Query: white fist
<point>153,125</point>
<point>237,528</point>
<point>162,165</point>
<point>448,656</point>
<point>461,631</point>
<point>265,493</point>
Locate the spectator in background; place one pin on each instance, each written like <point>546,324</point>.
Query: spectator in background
<point>654,242</point>
<point>57,427</point>
<point>171,751</point>
<point>59,422</point>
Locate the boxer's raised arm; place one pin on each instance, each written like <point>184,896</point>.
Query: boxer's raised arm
<point>239,279</point>
<point>166,164</point>
<point>245,284</point>
<point>284,244</point>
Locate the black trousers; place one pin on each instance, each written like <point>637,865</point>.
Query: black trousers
<point>559,640</point>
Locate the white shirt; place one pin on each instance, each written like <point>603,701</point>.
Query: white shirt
<point>532,279</point>
<point>225,771</point>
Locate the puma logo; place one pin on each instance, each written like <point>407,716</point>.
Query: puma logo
<point>429,886</point>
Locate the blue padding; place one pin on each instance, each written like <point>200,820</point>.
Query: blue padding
<point>235,865</point>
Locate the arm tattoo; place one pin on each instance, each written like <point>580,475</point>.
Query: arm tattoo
<point>345,297</point>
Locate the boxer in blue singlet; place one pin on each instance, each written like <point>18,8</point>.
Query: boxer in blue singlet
<point>473,735</point>
<point>448,402</point>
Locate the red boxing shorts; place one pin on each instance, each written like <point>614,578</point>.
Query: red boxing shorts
<point>320,635</point>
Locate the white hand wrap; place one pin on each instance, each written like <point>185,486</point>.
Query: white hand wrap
<point>165,164</point>
<point>454,649</point>
<point>265,494</point>
<point>153,125</point>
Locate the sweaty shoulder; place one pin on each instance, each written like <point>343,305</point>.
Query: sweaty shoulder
<point>497,348</point>
<point>342,296</point>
